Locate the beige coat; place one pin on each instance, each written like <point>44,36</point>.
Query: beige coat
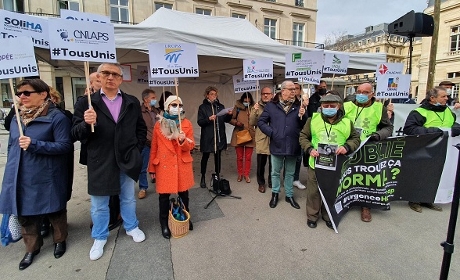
<point>240,114</point>
<point>262,140</point>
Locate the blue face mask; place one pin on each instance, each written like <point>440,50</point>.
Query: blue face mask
<point>437,104</point>
<point>153,102</point>
<point>362,98</point>
<point>246,104</point>
<point>329,112</point>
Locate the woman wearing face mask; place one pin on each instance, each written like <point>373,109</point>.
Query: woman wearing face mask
<point>150,115</point>
<point>170,159</point>
<point>240,119</point>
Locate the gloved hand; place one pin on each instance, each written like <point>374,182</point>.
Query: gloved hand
<point>455,130</point>
<point>374,137</point>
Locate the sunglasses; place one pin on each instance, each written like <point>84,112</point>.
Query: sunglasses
<point>174,105</point>
<point>108,73</point>
<point>26,93</point>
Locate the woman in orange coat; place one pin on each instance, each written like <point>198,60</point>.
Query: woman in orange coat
<point>170,156</point>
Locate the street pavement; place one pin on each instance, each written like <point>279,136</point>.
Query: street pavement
<point>243,239</point>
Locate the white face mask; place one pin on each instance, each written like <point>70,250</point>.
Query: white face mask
<point>449,91</point>
<point>175,111</point>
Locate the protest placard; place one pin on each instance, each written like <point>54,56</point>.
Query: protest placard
<point>304,64</point>
<point>17,58</point>
<point>15,24</point>
<point>335,63</point>
<point>389,69</point>
<point>173,60</point>
<point>74,15</point>
<point>257,69</point>
<point>240,85</point>
<point>393,86</point>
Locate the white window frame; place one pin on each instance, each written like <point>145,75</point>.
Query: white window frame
<point>119,7</point>
<point>235,14</point>
<point>298,35</point>
<point>68,4</point>
<point>203,11</point>
<point>162,5</point>
<point>454,36</point>
<point>271,27</point>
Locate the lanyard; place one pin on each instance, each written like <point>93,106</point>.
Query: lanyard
<point>358,113</point>
<point>328,133</point>
<point>443,116</point>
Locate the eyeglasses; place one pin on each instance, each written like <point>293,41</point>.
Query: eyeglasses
<point>174,105</point>
<point>363,92</point>
<point>108,73</point>
<point>290,89</point>
<point>26,93</point>
<point>266,93</point>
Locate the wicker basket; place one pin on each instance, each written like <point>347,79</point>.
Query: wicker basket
<point>178,228</point>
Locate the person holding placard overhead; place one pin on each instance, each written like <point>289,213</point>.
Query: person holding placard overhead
<point>213,138</point>
<point>370,119</point>
<point>114,153</point>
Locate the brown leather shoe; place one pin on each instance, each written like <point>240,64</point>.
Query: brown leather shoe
<point>248,180</point>
<point>366,214</point>
<point>240,178</point>
<point>431,206</point>
<point>262,188</point>
<point>415,206</point>
<point>142,194</point>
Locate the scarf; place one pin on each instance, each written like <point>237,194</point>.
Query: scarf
<point>168,125</point>
<point>30,114</point>
<point>286,104</point>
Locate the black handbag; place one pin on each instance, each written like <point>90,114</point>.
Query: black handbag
<point>220,186</point>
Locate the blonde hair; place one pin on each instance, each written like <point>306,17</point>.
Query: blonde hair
<point>55,96</point>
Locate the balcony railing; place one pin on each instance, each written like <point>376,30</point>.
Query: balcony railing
<point>56,15</point>
<point>454,52</point>
<point>301,44</point>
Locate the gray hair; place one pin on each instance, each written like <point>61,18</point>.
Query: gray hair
<point>116,64</point>
<point>283,84</point>
<point>146,92</point>
<point>434,92</point>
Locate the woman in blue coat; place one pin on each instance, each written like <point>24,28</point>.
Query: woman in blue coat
<point>35,182</point>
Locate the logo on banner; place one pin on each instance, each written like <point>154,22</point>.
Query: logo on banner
<point>383,69</point>
<point>336,60</point>
<point>64,35</point>
<point>393,83</point>
<point>83,36</point>
<point>296,56</point>
<point>172,54</point>
<point>22,24</point>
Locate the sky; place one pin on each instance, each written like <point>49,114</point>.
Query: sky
<point>353,16</point>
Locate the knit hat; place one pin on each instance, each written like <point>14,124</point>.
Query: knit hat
<point>170,99</point>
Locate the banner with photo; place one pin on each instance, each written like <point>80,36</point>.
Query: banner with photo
<point>15,24</point>
<point>240,85</point>
<point>401,168</point>
<point>17,62</point>
<point>257,69</point>
<point>173,60</point>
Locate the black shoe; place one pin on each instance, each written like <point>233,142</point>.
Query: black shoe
<point>59,249</point>
<point>292,202</point>
<point>45,228</point>
<point>203,182</point>
<point>116,224</point>
<point>328,224</point>
<point>27,260</point>
<point>311,224</point>
<point>154,180</point>
<point>165,231</point>
<point>274,200</point>
<point>190,225</point>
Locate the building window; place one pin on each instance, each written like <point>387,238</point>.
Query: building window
<point>270,27</point>
<point>270,0</point>
<point>359,43</point>
<point>368,41</point>
<point>297,34</point>
<point>452,75</point>
<point>236,15</point>
<point>205,12</point>
<point>119,11</point>
<point>73,5</point>
<point>367,51</point>
<point>163,5</point>
<point>455,38</point>
<point>377,49</point>
<point>378,39</point>
<point>13,5</point>
<point>299,3</point>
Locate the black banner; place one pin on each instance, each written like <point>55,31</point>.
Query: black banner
<point>404,168</point>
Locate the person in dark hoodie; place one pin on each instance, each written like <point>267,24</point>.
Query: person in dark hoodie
<point>314,101</point>
<point>432,115</point>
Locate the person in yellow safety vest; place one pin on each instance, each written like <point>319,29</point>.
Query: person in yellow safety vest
<point>328,131</point>
<point>432,115</point>
<point>370,119</point>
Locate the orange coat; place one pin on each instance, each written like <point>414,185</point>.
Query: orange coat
<point>172,162</point>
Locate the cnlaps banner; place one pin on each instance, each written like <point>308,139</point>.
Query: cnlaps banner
<point>380,172</point>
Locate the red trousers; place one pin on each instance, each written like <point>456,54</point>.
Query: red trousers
<point>243,160</point>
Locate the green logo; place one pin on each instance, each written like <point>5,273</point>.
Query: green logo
<point>336,60</point>
<point>296,56</point>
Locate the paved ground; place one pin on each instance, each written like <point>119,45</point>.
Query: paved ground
<point>244,239</point>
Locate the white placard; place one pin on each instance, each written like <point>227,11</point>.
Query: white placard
<point>17,61</point>
<point>14,24</point>
<point>335,63</point>
<point>304,64</point>
<point>162,82</point>
<point>240,85</point>
<point>312,80</point>
<point>142,74</point>
<point>127,77</point>
<point>393,86</point>
<point>81,40</point>
<point>257,69</point>
<point>389,69</point>
<point>171,60</point>
<point>74,15</point>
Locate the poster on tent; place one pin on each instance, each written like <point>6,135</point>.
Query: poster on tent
<point>393,86</point>
<point>335,63</point>
<point>74,15</point>
<point>143,77</point>
<point>240,85</point>
<point>15,24</point>
<point>126,70</point>
<point>304,64</point>
<point>389,69</point>
<point>257,69</point>
<point>82,41</point>
<point>173,60</point>
<point>17,62</point>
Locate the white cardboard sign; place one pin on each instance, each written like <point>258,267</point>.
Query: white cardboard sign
<point>335,63</point>
<point>304,64</point>
<point>17,61</point>
<point>82,41</point>
<point>240,85</point>
<point>257,69</point>
<point>74,15</point>
<point>393,86</point>
<point>171,60</point>
<point>389,69</point>
<point>15,24</point>
<point>312,80</point>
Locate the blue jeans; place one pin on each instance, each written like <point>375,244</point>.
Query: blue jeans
<point>100,209</point>
<point>289,168</point>
<point>143,183</point>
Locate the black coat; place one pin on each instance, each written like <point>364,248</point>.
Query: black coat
<point>207,126</point>
<point>113,146</point>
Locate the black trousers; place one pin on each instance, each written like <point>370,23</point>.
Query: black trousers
<point>261,162</point>
<point>217,162</point>
<point>165,205</point>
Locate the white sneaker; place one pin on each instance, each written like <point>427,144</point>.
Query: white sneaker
<point>137,234</point>
<point>298,185</point>
<point>97,250</point>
